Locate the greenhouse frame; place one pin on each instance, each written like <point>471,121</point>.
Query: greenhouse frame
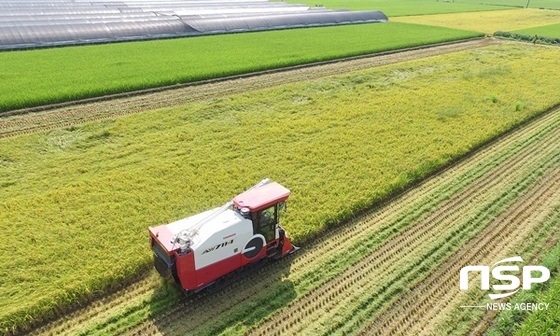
<point>41,23</point>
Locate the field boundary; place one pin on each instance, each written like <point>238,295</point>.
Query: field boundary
<point>134,93</point>
<point>536,39</point>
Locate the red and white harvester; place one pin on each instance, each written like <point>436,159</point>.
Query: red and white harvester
<point>200,249</point>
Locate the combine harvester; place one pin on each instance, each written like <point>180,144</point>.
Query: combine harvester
<point>200,249</point>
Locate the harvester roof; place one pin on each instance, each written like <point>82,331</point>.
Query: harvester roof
<point>262,197</point>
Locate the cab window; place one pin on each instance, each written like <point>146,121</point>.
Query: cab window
<point>265,223</point>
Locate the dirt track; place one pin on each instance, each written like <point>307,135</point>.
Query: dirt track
<point>84,112</point>
<point>393,268</point>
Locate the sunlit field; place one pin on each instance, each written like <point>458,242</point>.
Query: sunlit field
<point>552,31</point>
<point>83,197</point>
<point>489,22</point>
<point>37,77</point>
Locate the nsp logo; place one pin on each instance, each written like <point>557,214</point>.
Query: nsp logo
<point>498,274</point>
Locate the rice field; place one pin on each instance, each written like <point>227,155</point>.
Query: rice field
<point>400,276</point>
<point>395,8</point>
<point>489,22</point>
<point>552,31</point>
<point>38,77</point>
<point>340,143</point>
<point>546,4</point>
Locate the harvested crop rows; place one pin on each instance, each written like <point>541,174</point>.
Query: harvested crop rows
<point>403,314</point>
<point>404,256</point>
<point>393,268</point>
<point>541,241</point>
<point>81,113</point>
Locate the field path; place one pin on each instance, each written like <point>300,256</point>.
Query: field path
<point>34,120</point>
<point>392,268</point>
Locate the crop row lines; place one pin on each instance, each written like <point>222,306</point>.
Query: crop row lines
<point>538,244</point>
<point>379,258</point>
<point>427,321</point>
<point>347,324</point>
<point>358,232</point>
<point>372,311</point>
<point>224,307</point>
<point>92,312</point>
<point>218,298</point>
<point>488,245</point>
<point>304,261</point>
<point>293,269</point>
<point>434,256</point>
<point>413,200</point>
<point>238,291</point>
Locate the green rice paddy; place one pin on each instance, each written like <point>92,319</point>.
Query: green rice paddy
<point>552,31</point>
<point>38,77</point>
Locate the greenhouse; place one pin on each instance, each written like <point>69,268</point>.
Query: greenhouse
<point>42,23</point>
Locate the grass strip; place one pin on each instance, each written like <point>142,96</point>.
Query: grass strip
<point>528,38</point>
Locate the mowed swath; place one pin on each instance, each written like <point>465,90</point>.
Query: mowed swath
<point>526,162</point>
<point>154,167</point>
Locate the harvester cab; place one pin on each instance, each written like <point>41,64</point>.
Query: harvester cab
<point>200,249</point>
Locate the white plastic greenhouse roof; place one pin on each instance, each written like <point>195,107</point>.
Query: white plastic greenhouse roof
<point>47,23</point>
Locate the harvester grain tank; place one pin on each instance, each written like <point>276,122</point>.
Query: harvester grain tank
<point>200,249</point>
